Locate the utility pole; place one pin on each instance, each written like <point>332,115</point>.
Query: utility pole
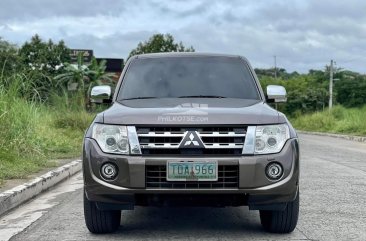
<point>275,66</point>
<point>331,85</point>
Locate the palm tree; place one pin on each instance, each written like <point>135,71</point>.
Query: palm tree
<point>74,73</point>
<point>98,74</point>
<point>86,76</point>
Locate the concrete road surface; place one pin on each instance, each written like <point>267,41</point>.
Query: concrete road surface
<point>333,207</point>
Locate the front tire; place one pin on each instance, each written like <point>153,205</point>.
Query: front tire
<point>99,221</point>
<point>281,221</point>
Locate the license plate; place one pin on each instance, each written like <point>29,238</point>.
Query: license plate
<point>191,171</point>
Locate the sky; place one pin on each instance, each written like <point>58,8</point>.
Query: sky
<point>302,35</point>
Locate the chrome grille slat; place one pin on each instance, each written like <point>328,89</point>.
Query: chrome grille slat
<point>165,134</point>
<point>219,134</point>
<point>224,146</point>
<point>158,145</point>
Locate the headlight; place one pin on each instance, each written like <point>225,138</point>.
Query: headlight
<point>111,138</point>
<point>271,138</point>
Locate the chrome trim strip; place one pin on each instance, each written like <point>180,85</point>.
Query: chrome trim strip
<point>249,143</point>
<point>133,140</point>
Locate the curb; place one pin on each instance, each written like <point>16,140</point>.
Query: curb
<point>22,193</point>
<point>347,137</point>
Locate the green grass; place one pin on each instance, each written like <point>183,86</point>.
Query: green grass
<point>339,120</point>
<point>33,133</point>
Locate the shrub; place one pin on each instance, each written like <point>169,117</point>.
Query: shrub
<point>32,132</point>
<point>338,120</point>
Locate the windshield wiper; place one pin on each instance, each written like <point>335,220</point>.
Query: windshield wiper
<point>202,96</point>
<point>140,98</point>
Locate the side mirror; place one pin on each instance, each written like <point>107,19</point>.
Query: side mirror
<point>101,94</point>
<point>276,93</point>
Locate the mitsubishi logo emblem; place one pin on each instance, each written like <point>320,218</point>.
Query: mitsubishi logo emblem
<point>191,140</point>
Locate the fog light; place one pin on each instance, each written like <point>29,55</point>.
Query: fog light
<point>274,171</point>
<point>109,171</point>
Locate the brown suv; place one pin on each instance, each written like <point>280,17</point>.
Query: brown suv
<point>188,129</point>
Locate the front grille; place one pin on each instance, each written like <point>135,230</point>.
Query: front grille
<point>228,177</point>
<point>167,140</point>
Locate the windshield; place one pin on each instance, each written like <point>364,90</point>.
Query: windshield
<point>188,77</point>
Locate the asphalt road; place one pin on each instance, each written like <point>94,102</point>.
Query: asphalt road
<point>333,207</point>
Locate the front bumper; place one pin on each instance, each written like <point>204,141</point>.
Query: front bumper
<point>258,190</point>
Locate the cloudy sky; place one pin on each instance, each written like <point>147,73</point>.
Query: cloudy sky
<point>302,34</point>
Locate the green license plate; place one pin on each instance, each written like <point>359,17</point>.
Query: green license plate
<point>191,171</point>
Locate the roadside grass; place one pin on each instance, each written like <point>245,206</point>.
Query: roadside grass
<point>33,133</point>
<point>339,120</point>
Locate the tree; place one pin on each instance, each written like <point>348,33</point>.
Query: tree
<point>44,56</point>
<point>305,92</point>
<point>160,43</point>
<point>41,62</point>
<point>351,89</point>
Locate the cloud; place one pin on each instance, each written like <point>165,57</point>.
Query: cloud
<point>28,10</point>
<point>302,34</point>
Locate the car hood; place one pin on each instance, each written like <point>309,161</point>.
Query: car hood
<point>191,111</point>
